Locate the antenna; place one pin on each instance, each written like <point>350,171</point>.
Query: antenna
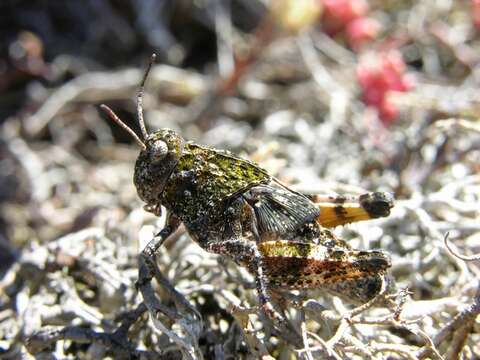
<point>143,129</point>
<point>111,114</point>
<point>116,119</point>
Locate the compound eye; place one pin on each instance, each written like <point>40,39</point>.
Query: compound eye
<point>159,150</point>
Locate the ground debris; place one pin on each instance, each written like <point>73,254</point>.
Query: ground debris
<point>72,225</point>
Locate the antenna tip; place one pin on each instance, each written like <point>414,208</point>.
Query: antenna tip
<point>105,109</point>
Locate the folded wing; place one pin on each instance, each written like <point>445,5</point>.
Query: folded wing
<point>279,211</point>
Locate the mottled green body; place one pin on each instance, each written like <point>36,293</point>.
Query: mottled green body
<point>218,195</point>
<point>233,207</point>
<point>205,180</point>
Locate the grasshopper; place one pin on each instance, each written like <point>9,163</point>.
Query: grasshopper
<point>232,207</point>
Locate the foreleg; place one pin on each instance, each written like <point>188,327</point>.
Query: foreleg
<point>147,256</point>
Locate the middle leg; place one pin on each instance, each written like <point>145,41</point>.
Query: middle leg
<point>246,253</point>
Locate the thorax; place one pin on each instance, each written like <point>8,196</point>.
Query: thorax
<point>205,179</point>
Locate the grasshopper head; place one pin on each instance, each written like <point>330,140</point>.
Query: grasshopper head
<point>155,163</point>
<point>161,151</point>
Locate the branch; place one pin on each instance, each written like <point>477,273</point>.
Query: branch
<point>116,342</point>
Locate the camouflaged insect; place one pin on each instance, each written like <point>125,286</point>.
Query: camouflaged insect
<point>233,207</point>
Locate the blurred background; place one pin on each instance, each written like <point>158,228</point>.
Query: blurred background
<point>330,96</point>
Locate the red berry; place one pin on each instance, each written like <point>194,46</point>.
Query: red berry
<point>380,75</point>
<point>360,31</point>
<point>338,13</point>
<point>476,13</point>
